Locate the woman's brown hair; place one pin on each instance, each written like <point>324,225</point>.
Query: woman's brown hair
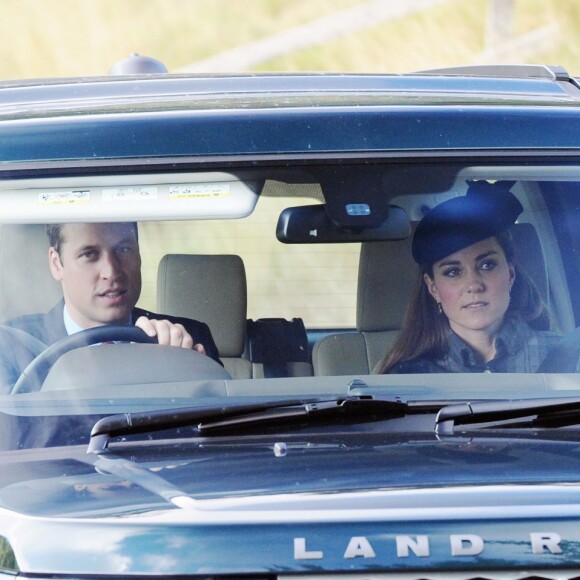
<point>424,330</point>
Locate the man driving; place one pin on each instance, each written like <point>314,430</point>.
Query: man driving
<point>99,268</point>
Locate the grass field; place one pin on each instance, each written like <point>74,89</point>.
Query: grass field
<point>43,38</point>
<point>85,37</point>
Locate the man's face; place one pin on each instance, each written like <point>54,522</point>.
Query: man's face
<point>99,267</point>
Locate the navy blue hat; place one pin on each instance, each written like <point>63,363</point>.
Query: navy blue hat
<point>485,211</point>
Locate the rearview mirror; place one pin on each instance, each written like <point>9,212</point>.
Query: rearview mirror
<point>310,224</point>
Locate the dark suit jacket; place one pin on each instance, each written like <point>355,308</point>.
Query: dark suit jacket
<point>49,328</point>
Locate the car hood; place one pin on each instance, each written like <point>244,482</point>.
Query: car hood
<point>260,504</point>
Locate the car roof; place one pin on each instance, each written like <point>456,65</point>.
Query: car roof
<point>485,84</point>
<point>166,116</point>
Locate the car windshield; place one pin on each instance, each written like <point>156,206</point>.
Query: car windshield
<point>257,285</point>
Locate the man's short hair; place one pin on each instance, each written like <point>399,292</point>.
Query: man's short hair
<point>56,237</point>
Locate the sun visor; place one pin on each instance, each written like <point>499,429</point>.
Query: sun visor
<point>166,196</point>
<point>311,224</point>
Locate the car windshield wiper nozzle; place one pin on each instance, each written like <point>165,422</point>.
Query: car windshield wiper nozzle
<point>544,412</point>
<point>224,417</point>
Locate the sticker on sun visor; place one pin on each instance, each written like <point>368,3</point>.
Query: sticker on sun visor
<point>64,197</point>
<point>130,193</point>
<point>200,190</point>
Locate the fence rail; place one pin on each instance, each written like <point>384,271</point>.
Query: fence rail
<point>501,44</point>
<point>310,34</point>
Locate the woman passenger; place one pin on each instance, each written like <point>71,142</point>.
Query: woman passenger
<point>474,309</point>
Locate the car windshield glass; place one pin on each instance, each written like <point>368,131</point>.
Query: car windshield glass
<point>150,292</point>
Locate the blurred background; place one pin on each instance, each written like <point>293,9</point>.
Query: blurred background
<point>46,38</point>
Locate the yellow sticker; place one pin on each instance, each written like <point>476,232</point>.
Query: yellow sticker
<point>64,197</point>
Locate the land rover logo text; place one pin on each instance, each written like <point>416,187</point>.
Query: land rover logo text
<point>459,545</point>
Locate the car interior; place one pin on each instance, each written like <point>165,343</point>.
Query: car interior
<point>191,269</point>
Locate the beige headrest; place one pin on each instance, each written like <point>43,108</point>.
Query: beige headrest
<point>211,289</point>
<point>386,276</point>
<point>26,285</point>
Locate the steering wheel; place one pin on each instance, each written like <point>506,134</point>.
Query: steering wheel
<point>34,374</point>
<point>563,358</point>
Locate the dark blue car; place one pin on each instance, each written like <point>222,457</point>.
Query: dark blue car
<point>211,359</point>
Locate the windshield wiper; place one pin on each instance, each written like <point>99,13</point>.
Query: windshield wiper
<point>524,413</point>
<point>218,418</point>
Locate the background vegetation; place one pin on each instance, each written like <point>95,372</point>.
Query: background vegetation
<point>44,38</point>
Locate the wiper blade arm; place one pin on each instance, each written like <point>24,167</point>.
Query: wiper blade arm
<point>559,411</point>
<point>208,419</point>
<point>349,407</point>
<point>144,422</point>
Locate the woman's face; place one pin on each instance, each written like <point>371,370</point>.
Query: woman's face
<point>473,287</point>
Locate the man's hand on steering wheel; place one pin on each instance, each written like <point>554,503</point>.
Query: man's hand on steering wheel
<point>168,333</point>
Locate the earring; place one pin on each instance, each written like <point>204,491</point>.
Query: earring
<point>439,308</point>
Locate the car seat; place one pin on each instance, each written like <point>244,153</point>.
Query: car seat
<point>26,284</point>
<point>211,289</point>
<point>384,284</point>
<point>387,275</point>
